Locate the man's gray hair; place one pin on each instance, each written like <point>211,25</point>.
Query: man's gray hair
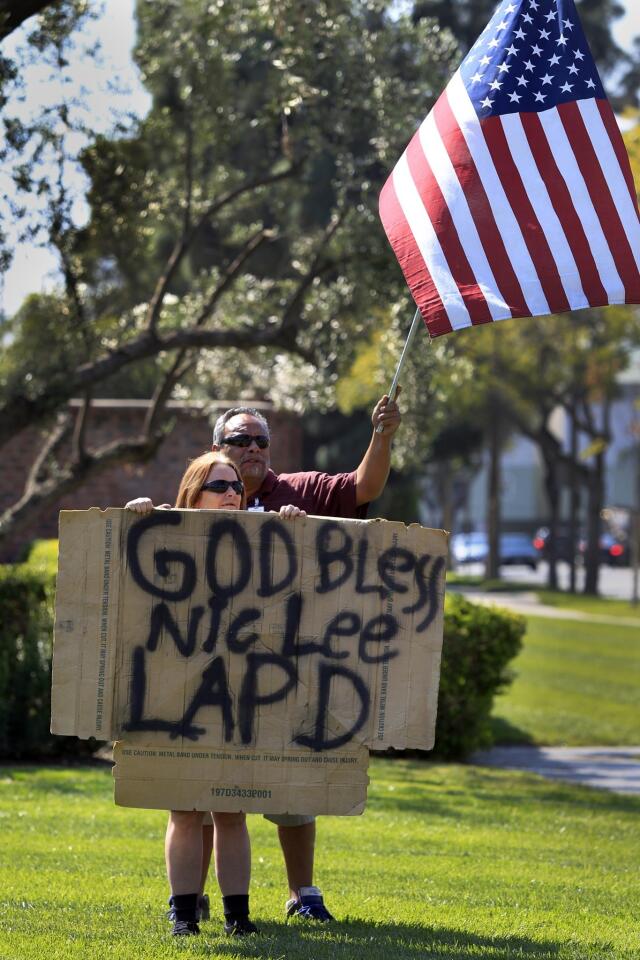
<point>218,427</point>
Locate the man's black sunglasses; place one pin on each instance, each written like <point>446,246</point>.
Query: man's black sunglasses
<point>246,439</point>
<point>221,486</point>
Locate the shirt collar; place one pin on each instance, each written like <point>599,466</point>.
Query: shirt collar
<point>268,486</point>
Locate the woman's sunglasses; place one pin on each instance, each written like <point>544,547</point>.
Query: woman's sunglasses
<point>221,486</point>
<point>246,439</point>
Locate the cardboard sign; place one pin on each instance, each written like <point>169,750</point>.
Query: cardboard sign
<point>242,661</point>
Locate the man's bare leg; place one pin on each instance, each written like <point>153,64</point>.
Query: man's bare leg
<point>298,848</point>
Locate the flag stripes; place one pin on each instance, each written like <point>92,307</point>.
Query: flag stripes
<point>543,263</point>
<point>559,195</point>
<point>464,172</point>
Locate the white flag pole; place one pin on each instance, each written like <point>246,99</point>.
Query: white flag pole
<point>417,322</point>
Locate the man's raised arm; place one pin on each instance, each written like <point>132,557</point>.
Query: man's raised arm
<point>371,475</point>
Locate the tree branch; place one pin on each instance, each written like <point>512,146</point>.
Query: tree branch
<point>188,236</point>
<point>162,394</point>
<point>20,411</point>
<point>291,315</point>
<point>56,438</point>
<point>231,272</point>
<point>78,449</point>
<point>45,495</point>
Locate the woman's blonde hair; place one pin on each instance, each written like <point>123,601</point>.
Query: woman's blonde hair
<point>195,476</point>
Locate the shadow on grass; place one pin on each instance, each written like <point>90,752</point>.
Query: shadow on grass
<point>356,939</point>
<point>504,732</point>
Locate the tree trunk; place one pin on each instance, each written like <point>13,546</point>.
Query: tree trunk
<point>447,505</point>
<point>594,509</point>
<point>492,567</point>
<point>574,505</point>
<point>553,497</point>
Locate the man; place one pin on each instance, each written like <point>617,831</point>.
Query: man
<point>243,434</point>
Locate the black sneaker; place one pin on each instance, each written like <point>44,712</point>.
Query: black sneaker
<point>308,905</point>
<point>185,928</point>
<point>239,928</point>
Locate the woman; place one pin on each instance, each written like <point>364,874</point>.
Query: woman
<point>211,482</point>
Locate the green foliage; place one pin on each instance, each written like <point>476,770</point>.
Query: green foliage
<point>26,623</point>
<point>43,554</point>
<point>26,631</point>
<point>479,642</point>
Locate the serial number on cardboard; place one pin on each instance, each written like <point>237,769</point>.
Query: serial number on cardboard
<point>242,792</point>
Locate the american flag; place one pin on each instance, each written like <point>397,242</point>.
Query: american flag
<point>515,198</point>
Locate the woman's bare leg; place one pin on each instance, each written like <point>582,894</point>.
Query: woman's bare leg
<point>232,853</point>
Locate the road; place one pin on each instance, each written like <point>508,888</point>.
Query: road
<point>615,582</point>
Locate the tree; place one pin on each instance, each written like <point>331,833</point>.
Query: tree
<point>14,12</point>
<point>516,376</point>
<point>239,215</point>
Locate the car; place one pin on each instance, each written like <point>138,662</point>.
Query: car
<point>515,548</point>
<point>563,549</point>
<point>469,547</point>
<point>613,550</point>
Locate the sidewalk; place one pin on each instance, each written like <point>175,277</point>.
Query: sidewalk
<point>528,604</point>
<point>607,768</point>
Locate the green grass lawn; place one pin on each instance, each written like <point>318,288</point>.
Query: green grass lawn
<point>448,862</point>
<point>576,683</point>
<point>602,606</point>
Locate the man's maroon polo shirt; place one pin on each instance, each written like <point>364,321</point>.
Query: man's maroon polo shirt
<point>320,494</point>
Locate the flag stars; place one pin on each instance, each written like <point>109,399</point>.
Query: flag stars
<point>528,65</point>
<point>546,80</point>
<point>536,50</point>
<point>566,87</point>
<point>504,67</point>
<point>578,54</point>
<point>495,85</point>
<point>527,18</point>
<point>534,5</point>
<point>511,9</point>
<point>573,69</point>
<point>562,40</point>
<point>520,34</point>
<point>555,59</point>
<point>522,81</point>
<point>495,42</point>
<point>540,97</point>
<point>591,84</point>
<point>502,26</point>
<point>477,77</point>
<point>511,51</point>
<point>550,16</point>
<point>544,34</point>
<point>567,24</point>
<point>486,103</point>
<point>515,97</point>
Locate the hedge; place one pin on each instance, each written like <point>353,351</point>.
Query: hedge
<point>479,642</point>
<point>26,621</point>
<point>26,630</point>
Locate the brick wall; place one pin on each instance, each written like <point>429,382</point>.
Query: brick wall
<point>117,419</point>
